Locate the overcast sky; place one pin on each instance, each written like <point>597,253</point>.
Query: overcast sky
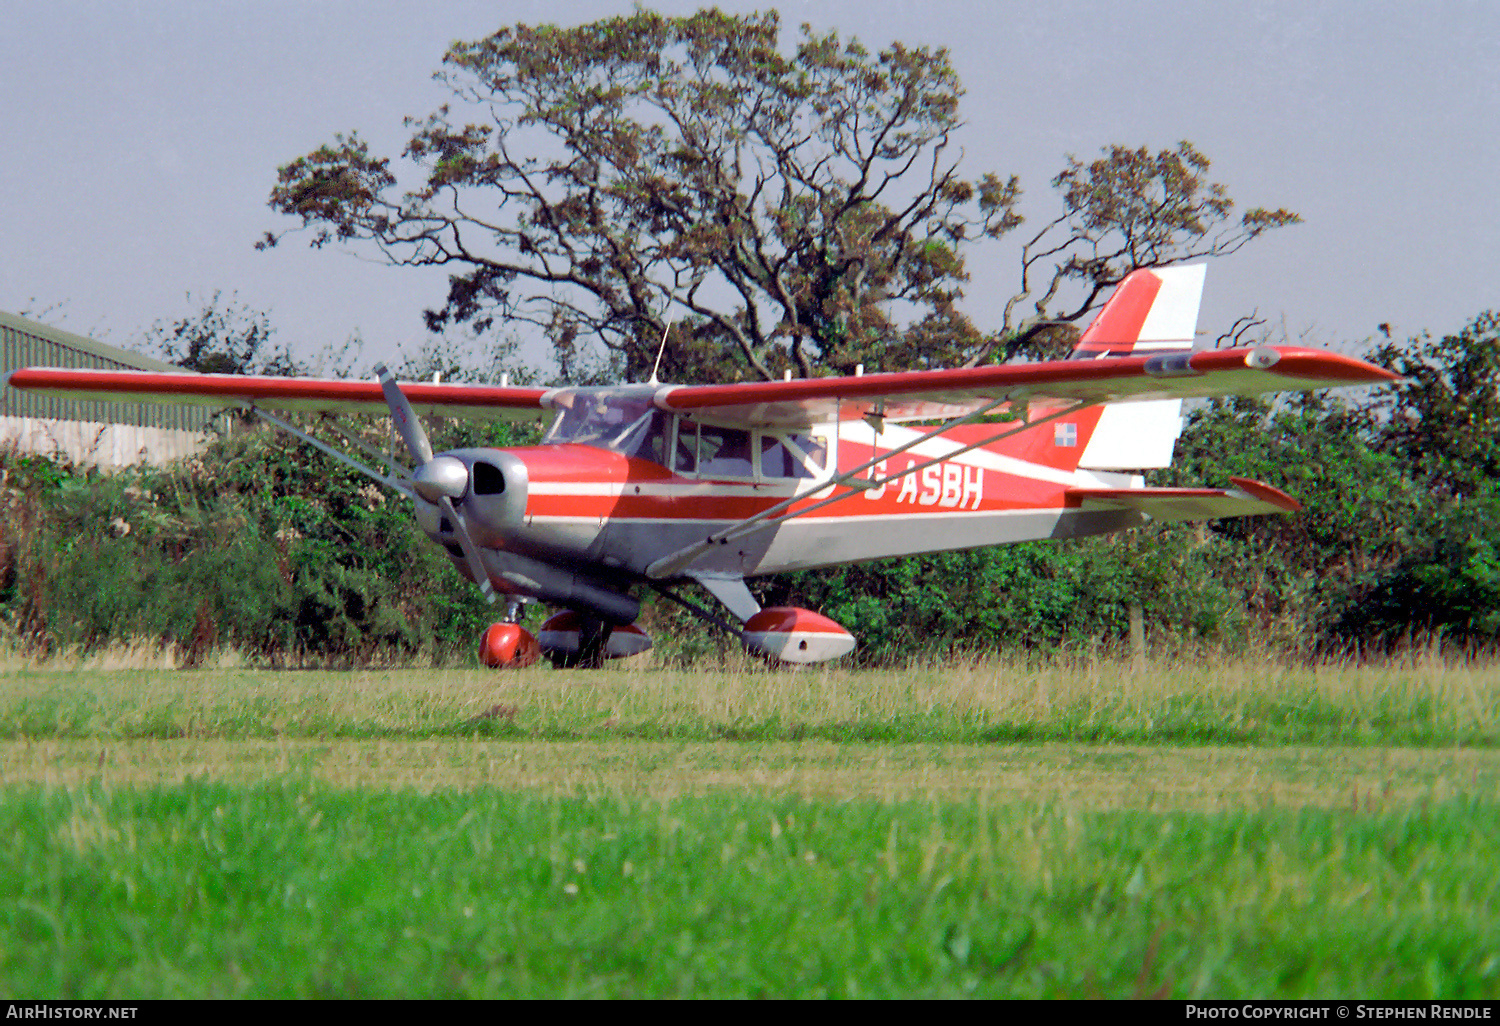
<point>141,141</point>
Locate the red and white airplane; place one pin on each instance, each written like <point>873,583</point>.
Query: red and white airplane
<point>659,486</point>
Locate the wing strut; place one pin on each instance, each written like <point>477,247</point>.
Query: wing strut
<point>675,563</point>
<point>698,611</point>
<point>401,486</point>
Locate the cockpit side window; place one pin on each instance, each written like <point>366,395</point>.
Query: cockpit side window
<point>646,438</point>
<point>724,452</point>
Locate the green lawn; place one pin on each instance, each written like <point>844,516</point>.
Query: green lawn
<point>296,889</point>
<point>229,833</point>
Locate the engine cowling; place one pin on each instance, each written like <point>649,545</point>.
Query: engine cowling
<point>792,635</point>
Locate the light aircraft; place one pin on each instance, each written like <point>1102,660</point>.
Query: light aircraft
<point>658,486</point>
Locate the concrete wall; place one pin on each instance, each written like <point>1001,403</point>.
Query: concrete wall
<point>90,443</point>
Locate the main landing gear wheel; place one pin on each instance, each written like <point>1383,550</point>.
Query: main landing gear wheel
<point>507,645</point>
<point>593,635</point>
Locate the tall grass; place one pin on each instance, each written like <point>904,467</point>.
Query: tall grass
<point>1414,703</point>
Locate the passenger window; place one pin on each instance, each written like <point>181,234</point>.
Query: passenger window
<point>792,456</point>
<point>724,452</point>
<point>817,452</point>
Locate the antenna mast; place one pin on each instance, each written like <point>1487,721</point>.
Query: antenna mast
<point>659,350</point>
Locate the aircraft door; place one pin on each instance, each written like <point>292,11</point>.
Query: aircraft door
<point>724,452</point>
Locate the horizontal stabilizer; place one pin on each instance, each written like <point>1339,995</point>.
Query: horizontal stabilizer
<point>1174,505</point>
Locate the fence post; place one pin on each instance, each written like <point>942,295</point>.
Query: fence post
<point>1138,636</point>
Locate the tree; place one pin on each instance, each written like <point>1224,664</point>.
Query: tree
<point>1444,418</point>
<point>224,337</point>
<point>1129,209</point>
<point>795,211</point>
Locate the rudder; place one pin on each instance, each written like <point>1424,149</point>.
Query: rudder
<point>1154,310</point>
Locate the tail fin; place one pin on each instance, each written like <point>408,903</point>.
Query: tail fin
<point>1152,311</point>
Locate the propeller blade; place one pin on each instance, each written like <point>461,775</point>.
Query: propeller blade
<point>471,551</point>
<point>404,417</point>
<point>436,480</point>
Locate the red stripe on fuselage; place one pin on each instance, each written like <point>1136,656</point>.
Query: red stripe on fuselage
<point>610,485</point>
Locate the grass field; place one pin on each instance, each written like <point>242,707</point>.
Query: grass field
<point>1027,829</point>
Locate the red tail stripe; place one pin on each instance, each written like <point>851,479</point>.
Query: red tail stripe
<point>1120,322</point>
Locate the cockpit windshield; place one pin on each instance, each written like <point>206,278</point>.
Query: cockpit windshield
<point>630,426</point>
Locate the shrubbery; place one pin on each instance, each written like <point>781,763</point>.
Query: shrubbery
<point>260,544</point>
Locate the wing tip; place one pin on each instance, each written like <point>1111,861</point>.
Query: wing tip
<point>1297,363</point>
<point>1267,493</point>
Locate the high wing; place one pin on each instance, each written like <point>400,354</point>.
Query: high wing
<point>896,397</point>
<point>292,395</point>
<point>945,394</point>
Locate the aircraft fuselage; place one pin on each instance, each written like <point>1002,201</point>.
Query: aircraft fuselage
<point>577,522</point>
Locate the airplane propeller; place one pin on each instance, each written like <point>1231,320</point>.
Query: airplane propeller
<point>439,479</point>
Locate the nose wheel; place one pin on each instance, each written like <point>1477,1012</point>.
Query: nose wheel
<point>507,645</point>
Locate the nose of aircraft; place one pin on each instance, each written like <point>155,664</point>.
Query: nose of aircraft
<point>440,476</point>
<point>487,486</point>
